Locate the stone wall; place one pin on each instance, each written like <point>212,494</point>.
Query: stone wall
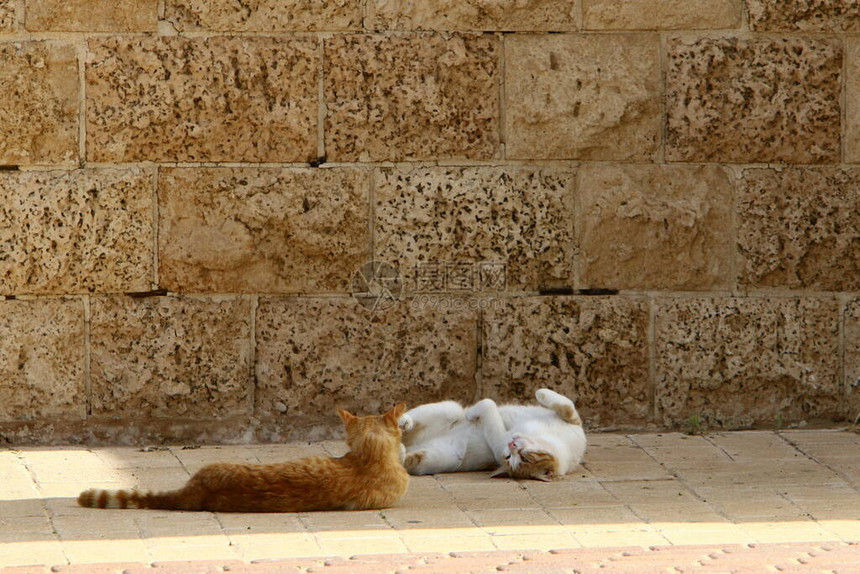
<point>652,206</point>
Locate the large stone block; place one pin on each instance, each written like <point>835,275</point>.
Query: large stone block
<point>739,362</point>
<point>42,360</point>
<point>800,228</point>
<point>166,357</point>
<point>8,15</point>
<point>852,359</point>
<point>92,15</point>
<point>655,227</point>
<point>41,128</point>
<point>756,100</point>
<point>593,350</point>
<point>804,15</point>
<point>660,14</point>
<point>76,231</point>
<point>314,354</point>
<point>430,221</point>
<point>421,96</point>
<point>263,15</point>
<point>475,15</point>
<point>270,230</point>
<point>594,97</point>
<point>852,100</point>
<point>172,98</point>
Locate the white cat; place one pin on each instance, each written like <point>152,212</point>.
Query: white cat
<point>544,442</point>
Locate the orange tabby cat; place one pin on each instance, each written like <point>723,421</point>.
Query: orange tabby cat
<point>369,476</point>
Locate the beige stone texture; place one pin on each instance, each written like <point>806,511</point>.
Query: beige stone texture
<point>660,14</point>
<point>852,101</point>
<point>852,359</point>
<point>421,96</point>
<point>754,100</point>
<point>799,228</point>
<point>41,128</point>
<point>439,220</point>
<point>804,15</point>
<point>8,15</point>
<point>76,231</point>
<point>317,353</point>
<point>248,99</point>
<point>92,15</point>
<point>593,97</point>
<point>167,357</point>
<point>655,227</point>
<point>263,15</point>
<point>42,360</point>
<point>269,230</point>
<point>738,362</point>
<point>475,15</point>
<point>591,349</point>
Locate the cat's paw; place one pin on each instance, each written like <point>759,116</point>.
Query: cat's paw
<point>402,453</point>
<point>547,397</point>
<point>476,411</point>
<point>413,459</point>
<point>405,423</point>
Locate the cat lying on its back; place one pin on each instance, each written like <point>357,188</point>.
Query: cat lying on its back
<point>541,442</point>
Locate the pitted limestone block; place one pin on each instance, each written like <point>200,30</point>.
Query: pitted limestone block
<point>592,97</point>
<point>593,350</point>
<point>739,362</point>
<point>799,228</point>
<point>422,96</point>
<point>852,98</point>
<point>660,14</point>
<point>41,128</point>
<point>852,359</point>
<point>92,16</point>
<point>435,219</point>
<point>270,230</point>
<point>263,15</point>
<point>172,98</point>
<point>756,100</point>
<point>317,353</point>
<point>475,15</point>
<point>804,15</point>
<point>42,360</point>
<point>165,357</point>
<point>76,231</point>
<point>655,227</point>
<point>8,16</point>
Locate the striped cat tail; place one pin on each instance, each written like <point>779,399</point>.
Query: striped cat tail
<point>98,498</point>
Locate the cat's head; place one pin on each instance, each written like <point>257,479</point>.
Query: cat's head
<point>382,428</point>
<point>524,457</point>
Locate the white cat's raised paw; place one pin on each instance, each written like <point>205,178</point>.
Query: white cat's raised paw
<point>405,423</point>
<point>476,411</point>
<point>547,397</point>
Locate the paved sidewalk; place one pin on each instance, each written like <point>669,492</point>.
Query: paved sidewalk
<point>745,502</point>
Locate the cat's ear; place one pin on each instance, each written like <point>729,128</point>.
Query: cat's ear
<point>393,415</point>
<point>346,416</point>
<point>500,472</point>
